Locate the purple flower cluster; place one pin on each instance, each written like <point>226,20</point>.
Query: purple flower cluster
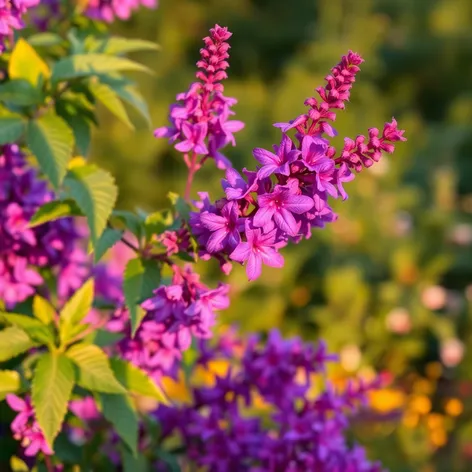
<point>107,10</point>
<point>294,429</point>
<point>11,13</point>
<point>200,125</point>
<point>51,245</point>
<point>25,428</point>
<point>288,194</point>
<point>175,314</point>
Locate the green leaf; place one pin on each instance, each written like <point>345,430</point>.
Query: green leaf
<point>136,381</point>
<point>116,45</point>
<point>43,310</point>
<point>108,97</point>
<point>103,338</point>
<point>33,327</point>
<point>13,341</point>
<point>54,210</point>
<point>119,411</point>
<point>45,40</point>
<point>82,133</point>
<point>25,63</point>
<point>132,463</point>
<point>95,373</point>
<point>132,288</point>
<point>52,142</point>
<point>151,278</point>
<point>158,222</point>
<point>20,92</point>
<point>85,65</point>
<point>11,128</point>
<point>107,240</point>
<point>52,386</point>
<point>10,382</point>
<point>95,192</point>
<point>181,206</point>
<point>76,309</point>
<point>128,92</point>
<point>131,221</point>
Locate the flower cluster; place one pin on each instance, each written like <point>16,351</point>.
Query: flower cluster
<point>25,427</point>
<point>175,313</point>
<point>293,429</point>
<point>288,194</point>
<point>51,245</point>
<point>200,125</point>
<point>107,10</point>
<point>11,13</point>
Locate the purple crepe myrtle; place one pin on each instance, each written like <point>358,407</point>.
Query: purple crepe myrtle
<point>11,13</point>
<point>200,124</point>
<point>51,245</point>
<point>108,10</point>
<point>25,428</point>
<point>222,428</point>
<point>288,194</point>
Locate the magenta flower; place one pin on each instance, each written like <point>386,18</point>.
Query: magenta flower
<point>278,163</point>
<point>26,429</point>
<point>280,206</point>
<point>225,228</point>
<point>200,124</point>
<point>259,248</point>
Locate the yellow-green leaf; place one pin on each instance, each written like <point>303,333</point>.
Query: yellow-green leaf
<point>25,63</point>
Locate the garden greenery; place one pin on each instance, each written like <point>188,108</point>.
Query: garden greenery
<point>100,307</point>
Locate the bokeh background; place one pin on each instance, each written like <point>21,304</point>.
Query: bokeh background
<point>389,286</point>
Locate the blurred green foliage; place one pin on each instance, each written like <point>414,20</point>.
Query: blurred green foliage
<point>389,284</point>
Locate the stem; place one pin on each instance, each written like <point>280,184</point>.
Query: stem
<point>48,463</point>
<point>193,166</point>
<point>130,245</point>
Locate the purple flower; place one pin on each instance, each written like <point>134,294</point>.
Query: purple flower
<point>225,228</point>
<point>194,138</point>
<point>26,429</point>
<point>236,187</point>
<point>278,163</point>
<point>279,206</point>
<point>259,248</point>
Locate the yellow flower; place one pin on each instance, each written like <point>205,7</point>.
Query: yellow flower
<point>421,404</point>
<point>386,400</point>
<point>453,407</point>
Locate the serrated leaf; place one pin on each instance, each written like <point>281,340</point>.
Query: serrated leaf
<point>128,92</point>
<point>181,206</point>
<point>33,327</point>
<point>52,386</point>
<point>132,288</point>
<point>25,63</point>
<point>95,373</point>
<point>43,310</point>
<point>85,65</point>
<point>44,39</point>
<point>13,341</point>
<point>11,128</point>
<point>75,310</point>
<point>115,45</point>
<point>20,92</point>
<point>82,132</point>
<point>106,241</point>
<point>53,211</point>
<point>95,192</point>
<point>136,381</point>
<point>119,411</point>
<point>158,222</point>
<point>108,97</point>
<point>10,382</point>
<point>52,142</point>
